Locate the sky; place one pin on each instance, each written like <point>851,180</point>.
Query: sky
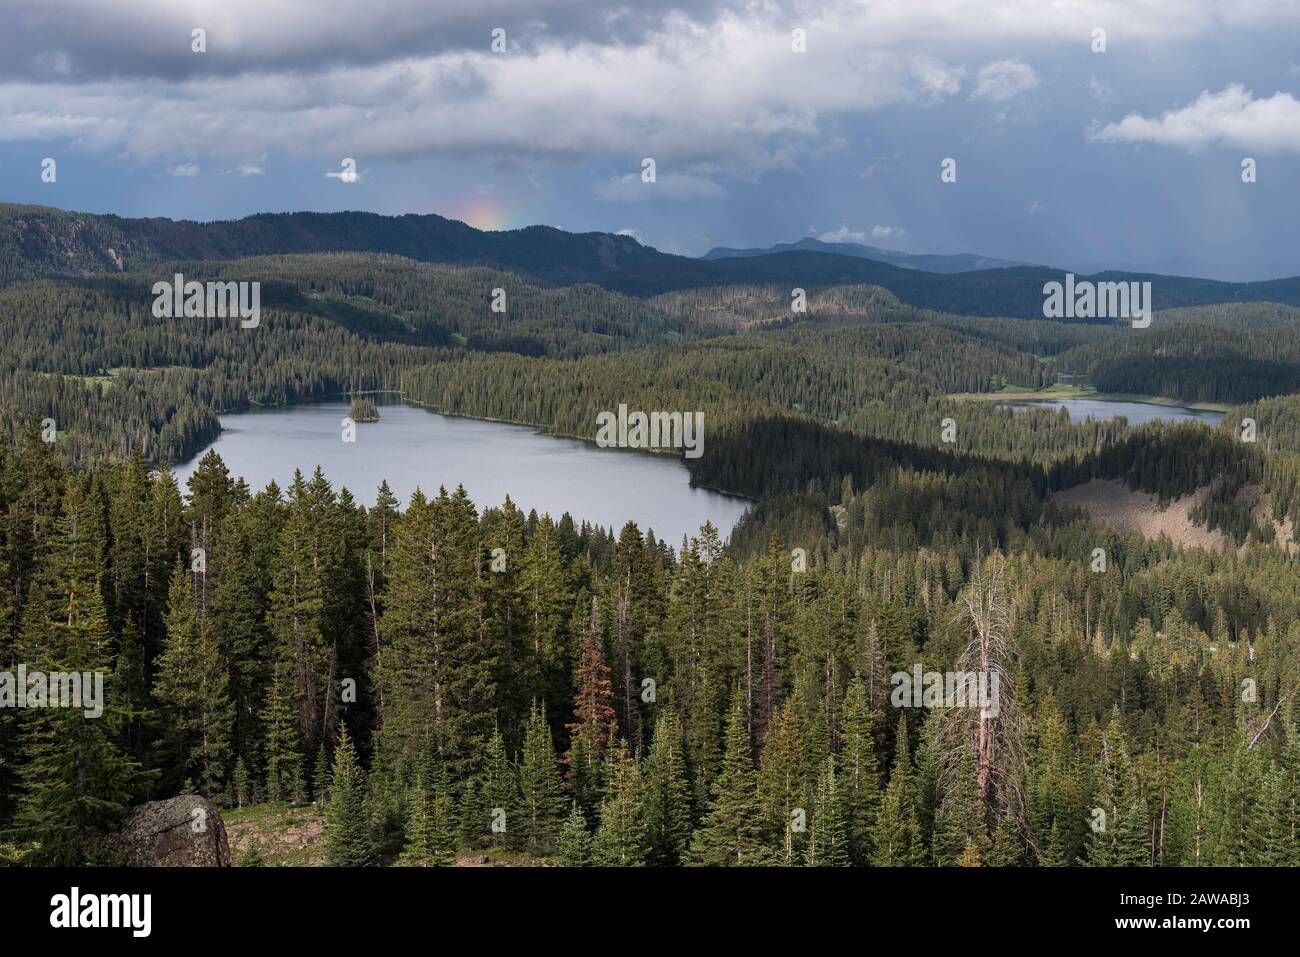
<point>1085,134</point>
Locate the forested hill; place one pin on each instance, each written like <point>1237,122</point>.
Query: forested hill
<point>43,241</point>
<point>958,262</point>
<point>39,241</point>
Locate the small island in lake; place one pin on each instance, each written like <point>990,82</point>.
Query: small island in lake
<point>363,410</point>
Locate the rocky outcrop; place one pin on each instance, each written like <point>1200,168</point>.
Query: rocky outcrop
<point>184,831</point>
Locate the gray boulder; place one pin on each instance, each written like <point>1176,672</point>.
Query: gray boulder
<point>184,831</point>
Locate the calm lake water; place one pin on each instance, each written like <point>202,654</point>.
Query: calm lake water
<point>1137,413</point>
<point>411,447</point>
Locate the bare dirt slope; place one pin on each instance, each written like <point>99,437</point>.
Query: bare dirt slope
<point>1113,503</point>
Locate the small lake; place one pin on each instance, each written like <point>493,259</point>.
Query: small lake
<point>1137,413</point>
<point>410,446</point>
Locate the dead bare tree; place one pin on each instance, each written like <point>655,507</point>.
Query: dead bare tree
<point>988,739</point>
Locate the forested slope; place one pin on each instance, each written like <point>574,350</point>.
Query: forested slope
<point>378,659</point>
<point>41,241</point>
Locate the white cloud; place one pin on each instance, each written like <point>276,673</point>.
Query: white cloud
<point>134,38</point>
<point>710,86</point>
<point>634,233</point>
<point>184,170</point>
<point>1232,117</point>
<point>249,169</point>
<point>1036,207</point>
<point>1004,80</point>
<point>844,234</point>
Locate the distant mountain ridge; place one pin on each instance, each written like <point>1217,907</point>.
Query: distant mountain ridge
<point>957,262</point>
<point>40,241</point>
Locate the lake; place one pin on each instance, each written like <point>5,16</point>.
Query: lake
<point>1137,413</point>
<point>410,446</point>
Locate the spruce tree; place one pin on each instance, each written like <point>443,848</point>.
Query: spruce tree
<point>618,840</point>
<point>860,772</point>
<point>77,781</point>
<point>192,684</point>
<point>575,840</point>
<point>240,780</point>
<point>827,844</point>
<point>959,818</point>
<point>320,778</point>
<point>282,760</point>
<point>784,786</point>
<point>896,836</point>
<point>349,841</point>
<point>731,833</point>
<point>1284,813</point>
<point>541,798</point>
<point>418,836</point>
<point>667,793</point>
<point>499,796</point>
<point>1242,839</point>
<point>1119,816</point>
<point>594,722</point>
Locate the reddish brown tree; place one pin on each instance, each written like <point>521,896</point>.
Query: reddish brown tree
<point>594,722</point>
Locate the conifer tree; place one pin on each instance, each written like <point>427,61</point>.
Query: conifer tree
<point>349,841</point>
<point>1283,838</point>
<point>282,760</point>
<point>76,781</point>
<point>541,799</point>
<point>1242,840</point>
<point>618,840</point>
<point>667,793</point>
<point>499,796</point>
<point>896,837</point>
<point>575,840</point>
<point>827,835</point>
<point>418,835</point>
<point>594,723</point>
<point>192,684</point>
<point>783,786</point>
<point>251,858</point>
<point>469,656</point>
<point>1195,806</point>
<point>430,833</point>
<point>320,778</point>
<point>1056,803</point>
<point>860,775</point>
<point>471,813</point>
<point>297,601</point>
<point>731,833</point>
<point>131,690</point>
<point>959,818</point>
<point>243,793</point>
<point>237,618</point>
<point>1004,848</point>
<point>547,598</point>
<point>1119,828</point>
